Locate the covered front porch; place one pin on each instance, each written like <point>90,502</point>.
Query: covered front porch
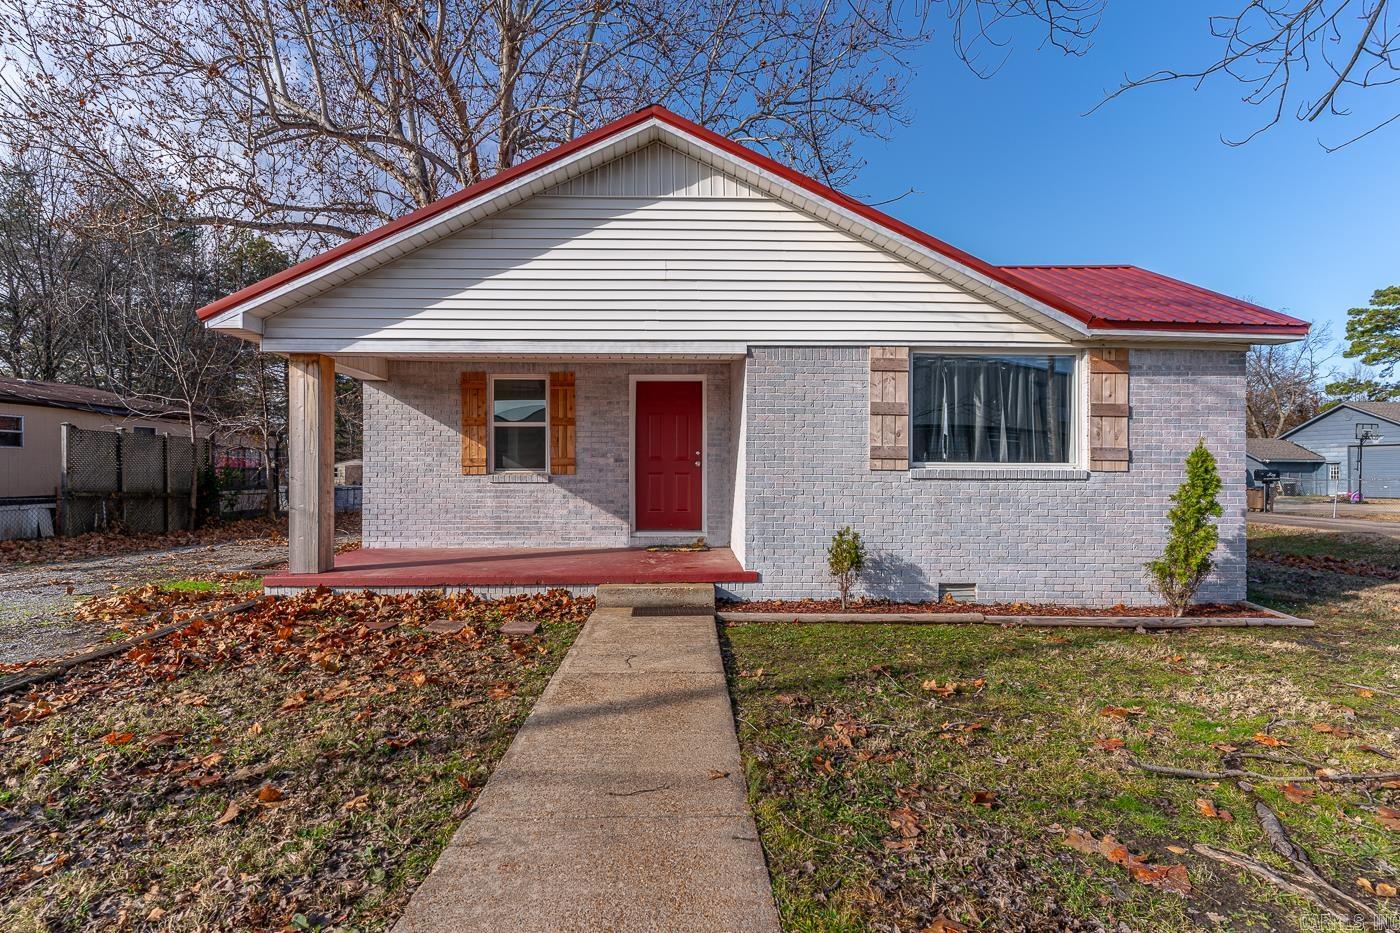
<point>513,569</point>
<point>513,471</point>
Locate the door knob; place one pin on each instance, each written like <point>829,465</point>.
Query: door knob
<point>697,462</point>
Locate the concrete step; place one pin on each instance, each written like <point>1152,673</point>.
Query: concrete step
<point>685,598</point>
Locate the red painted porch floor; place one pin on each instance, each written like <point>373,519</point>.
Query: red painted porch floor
<point>432,567</point>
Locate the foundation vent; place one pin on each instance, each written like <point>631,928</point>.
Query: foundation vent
<point>958,592</point>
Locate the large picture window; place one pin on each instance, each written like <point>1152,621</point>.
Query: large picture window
<point>519,427</point>
<point>991,409</point>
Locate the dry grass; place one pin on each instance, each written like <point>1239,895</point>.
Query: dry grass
<point>847,725</point>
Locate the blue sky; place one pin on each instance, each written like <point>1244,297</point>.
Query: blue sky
<point>1011,170</point>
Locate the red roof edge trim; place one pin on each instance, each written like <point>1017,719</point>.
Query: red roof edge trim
<point>413,218</point>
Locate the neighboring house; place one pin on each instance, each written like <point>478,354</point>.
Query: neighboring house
<point>1301,471</point>
<point>31,443</point>
<point>652,334</point>
<point>1374,471</point>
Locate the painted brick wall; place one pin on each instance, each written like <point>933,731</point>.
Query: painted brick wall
<point>416,496</point>
<point>1078,541</point>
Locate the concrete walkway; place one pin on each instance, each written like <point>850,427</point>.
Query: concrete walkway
<point>619,806</point>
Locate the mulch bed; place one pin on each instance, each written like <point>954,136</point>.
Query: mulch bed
<point>801,606</point>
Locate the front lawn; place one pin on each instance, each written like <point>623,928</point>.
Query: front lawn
<point>299,766</point>
<point>942,777</point>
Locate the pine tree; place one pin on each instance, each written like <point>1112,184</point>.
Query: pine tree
<point>846,559</point>
<point>1189,555</point>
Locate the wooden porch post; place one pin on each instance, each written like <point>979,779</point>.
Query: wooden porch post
<point>311,462</point>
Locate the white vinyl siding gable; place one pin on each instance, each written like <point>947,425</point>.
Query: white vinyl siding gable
<point>696,256</point>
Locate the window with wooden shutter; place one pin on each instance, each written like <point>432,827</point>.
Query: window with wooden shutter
<point>562,429</point>
<point>889,408</point>
<point>474,423</point>
<point>1108,411</point>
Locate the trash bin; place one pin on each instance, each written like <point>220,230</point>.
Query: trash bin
<point>1254,498</point>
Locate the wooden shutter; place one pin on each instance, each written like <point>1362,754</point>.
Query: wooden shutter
<point>474,423</point>
<point>1108,411</point>
<point>889,408</point>
<point>562,431</point>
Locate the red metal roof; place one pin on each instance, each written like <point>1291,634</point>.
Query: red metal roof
<point>1130,297</point>
<point>1014,277</point>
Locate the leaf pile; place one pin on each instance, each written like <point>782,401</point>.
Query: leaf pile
<point>297,765</point>
<point>1328,563</point>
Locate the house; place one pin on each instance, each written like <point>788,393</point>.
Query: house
<point>1301,471</point>
<point>31,444</point>
<point>1373,470</point>
<point>652,334</point>
<point>32,415</point>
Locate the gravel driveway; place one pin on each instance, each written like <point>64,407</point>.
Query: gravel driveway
<point>36,609</point>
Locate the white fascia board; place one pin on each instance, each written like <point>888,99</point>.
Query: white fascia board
<point>391,349</point>
<point>1102,337</point>
<point>360,261</point>
<point>235,320</point>
<point>1024,305</point>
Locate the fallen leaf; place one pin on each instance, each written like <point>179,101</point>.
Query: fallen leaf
<point>418,679</point>
<point>1120,712</point>
<point>716,774</point>
<point>1110,745</point>
<point>904,820</point>
<point>294,702</point>
<point>118,738</point>
<point>357,803</point>
<point>1386,890</point>
<point>501,691</point>
<point>941,924</point>
<point>1210,811</point>
<point>1177,850</point>
<point>269,794</point>
<point>230,814</point>
<point>1389,817</point>
<point>984,798</point>
<point>1365,693</point>
<point>1297,793</point>
<point>1269,741</point>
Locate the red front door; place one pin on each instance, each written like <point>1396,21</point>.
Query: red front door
<point>668,456</point>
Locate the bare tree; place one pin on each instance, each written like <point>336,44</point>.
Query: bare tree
<point>1312,58</point>
<point>323,118</point>
<point>1284,383</point>
<point>42,262</point>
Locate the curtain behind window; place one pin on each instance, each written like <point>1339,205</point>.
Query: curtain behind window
<point>980,409</point>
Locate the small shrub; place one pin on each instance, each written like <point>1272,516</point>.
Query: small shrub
<point>1188,557</point>
<point>846,559</point>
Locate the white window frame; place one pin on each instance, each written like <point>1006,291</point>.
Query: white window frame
<point>1078,407</point>
<point>1334,472</point>
<point>20,432</point>
<point>491,423</point>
